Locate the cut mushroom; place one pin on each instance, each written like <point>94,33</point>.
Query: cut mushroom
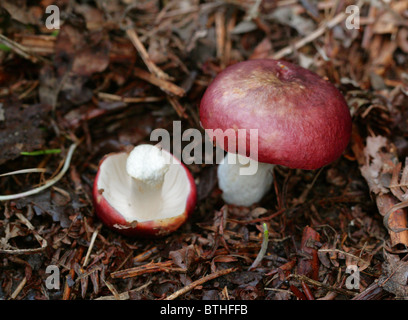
<point>146,193</point>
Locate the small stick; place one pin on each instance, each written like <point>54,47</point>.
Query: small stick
<point>19,288</point>
<point>145,255</point>
<point>112,289</point>
<point>299,294</point>
<point>345,253</point>
<point>228,41</point>
<point>200,282</point>
<point>41,240</point>
<point>148,268</point>
<point>166,86</point>
<point>19,49</point>
<point>91,244</point>
<point>307,291</point>
<point>145,56</point>
<point>372,292</point>
<point>114,97</point>
<point>177,107</point>
<point>310,37</point>
<point>124,295</point>
<point>323,285</point>
<point>220,33</point>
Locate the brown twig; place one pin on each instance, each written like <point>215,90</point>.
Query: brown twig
<point>114,97</point>
<point>19,288</point>
<point>309,38</point>
<point>220,32</point>
<point>322,285</point>
<point>147,268</point>
<point>165,85</point>
<point>27,223</point>
<point>131,33</point>
<point>200,282</point>
<point>145,255</point>
<point>181,112</point>
<point>372,292</point>
<point>308,293</point>
<point>20,49</point>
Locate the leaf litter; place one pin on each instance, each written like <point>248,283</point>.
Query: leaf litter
<point>117,70</point>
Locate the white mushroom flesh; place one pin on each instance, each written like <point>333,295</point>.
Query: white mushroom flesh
<point>148,184</point>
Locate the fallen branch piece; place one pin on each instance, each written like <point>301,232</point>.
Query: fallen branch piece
<point>147,268</point>
<point>165,85</point>
<point>200,282</point>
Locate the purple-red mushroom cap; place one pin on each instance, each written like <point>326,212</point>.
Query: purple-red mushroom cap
<point>303,121</point>
<point>146,193</point>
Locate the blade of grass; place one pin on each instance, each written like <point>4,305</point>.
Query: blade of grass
<point>264,246</point>
<point>4,48</point>
<point>40,152</point>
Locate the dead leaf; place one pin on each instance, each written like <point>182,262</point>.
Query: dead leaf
<point>390,17</point>
<point>399,185</point>
<point>374,159</point>
<point>20,130</point>
<point>394,277</point>
<point>262,50</point>
<point>87,52</point>
<point>20,12</point>
<point>396,220</point>
<point>308,263</point>
<point>184,257</point>
<point>79,54</point>
<point>289,16</point>
<point>402,39</point>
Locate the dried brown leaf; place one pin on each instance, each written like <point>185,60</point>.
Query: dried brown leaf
<point>184,257</point>
<point>399,186</point>
<point>372,169</point>
<point>394,277</point>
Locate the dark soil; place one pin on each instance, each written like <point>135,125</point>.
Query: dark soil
<point>116,70</point>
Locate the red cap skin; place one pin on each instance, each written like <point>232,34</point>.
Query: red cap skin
<point>147,229</point>
<point>303,121</point>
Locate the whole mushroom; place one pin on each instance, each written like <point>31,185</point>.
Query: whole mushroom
<point>147,192</point>
<point>303,121</point>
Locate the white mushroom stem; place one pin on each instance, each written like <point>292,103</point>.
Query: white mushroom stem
<point>147,166</point>
<point>243,181</point>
